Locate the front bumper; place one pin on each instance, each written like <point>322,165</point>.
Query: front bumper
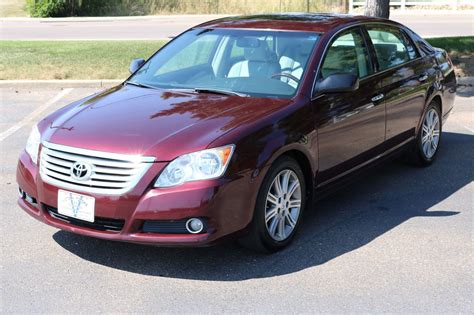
<point>219,202</point>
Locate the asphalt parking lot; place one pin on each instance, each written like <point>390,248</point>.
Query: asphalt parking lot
<point>398,240</point>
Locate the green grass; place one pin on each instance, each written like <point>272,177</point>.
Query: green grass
<point>461,51</point>
<point>463,45</point>
<point>48,60</point>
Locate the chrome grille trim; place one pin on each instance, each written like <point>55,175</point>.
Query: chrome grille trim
<point>112,173</point>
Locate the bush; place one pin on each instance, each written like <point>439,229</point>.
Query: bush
<point>47,8</point>
<point>56,8</point>
<point>62,8</point>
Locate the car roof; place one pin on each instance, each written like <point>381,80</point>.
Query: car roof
<point>309,22</point>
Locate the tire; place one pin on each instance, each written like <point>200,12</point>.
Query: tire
<point>428,140</point>
<point>275,221</point>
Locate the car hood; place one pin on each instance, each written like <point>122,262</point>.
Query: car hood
<point>152,122</point>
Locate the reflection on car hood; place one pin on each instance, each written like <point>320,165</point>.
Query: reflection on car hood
<point>165,124</point>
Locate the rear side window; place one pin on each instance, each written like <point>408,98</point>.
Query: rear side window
<point>347,54</point>
<point>391,46</point>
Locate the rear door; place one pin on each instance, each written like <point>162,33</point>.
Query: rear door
<point>351,125</point>
<point>404,80</point>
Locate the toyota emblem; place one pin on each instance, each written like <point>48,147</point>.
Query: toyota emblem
<point>81,170</point>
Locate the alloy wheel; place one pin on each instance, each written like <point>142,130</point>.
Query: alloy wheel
<point>430,133</point>
<point>283,205</point>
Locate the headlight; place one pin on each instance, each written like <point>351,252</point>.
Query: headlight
<point>206,164</point>
<point>33,143</point>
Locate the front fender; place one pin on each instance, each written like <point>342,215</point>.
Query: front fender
<point>259,144</point>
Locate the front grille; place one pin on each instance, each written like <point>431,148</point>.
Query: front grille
<point>109,173</point>
<point>100,224</point>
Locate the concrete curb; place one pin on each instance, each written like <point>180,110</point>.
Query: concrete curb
<point>210,16</point>
<point>468,81</point>
<point>465,86</point>
<point>59,83</point>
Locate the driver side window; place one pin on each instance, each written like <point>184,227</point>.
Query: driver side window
<point>347,54</point>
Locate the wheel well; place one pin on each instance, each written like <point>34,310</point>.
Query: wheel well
<point>437,99</point>
<point>305,165</point>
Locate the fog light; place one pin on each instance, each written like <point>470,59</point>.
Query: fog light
<point>194,225</point>
<point>30,199</point>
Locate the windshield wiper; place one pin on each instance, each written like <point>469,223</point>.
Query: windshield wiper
<point>219,91</point>
<point>146,86</point>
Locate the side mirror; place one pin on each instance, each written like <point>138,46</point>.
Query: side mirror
<point>136,64</point>
<point>338,82</point>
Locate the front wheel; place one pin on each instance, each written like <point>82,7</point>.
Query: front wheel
<point>279,207</point>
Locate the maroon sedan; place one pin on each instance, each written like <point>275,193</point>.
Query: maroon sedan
<point>235,127</point>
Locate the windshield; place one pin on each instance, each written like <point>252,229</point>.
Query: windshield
<point>244,62</point>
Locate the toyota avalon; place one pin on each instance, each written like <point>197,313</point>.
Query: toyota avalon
<point>235,127</point>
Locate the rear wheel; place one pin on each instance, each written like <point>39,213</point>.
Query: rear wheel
<point>280,203</point>
<point>429,137</point>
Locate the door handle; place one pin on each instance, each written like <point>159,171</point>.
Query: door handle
<point>423,77</point>
<point>377,97</point>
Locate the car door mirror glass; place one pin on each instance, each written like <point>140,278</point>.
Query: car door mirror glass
<point>136,64</point>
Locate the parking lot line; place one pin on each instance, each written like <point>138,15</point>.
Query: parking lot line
<point>34,114</point>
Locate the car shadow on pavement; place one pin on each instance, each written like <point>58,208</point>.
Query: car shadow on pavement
<point>346,220</point>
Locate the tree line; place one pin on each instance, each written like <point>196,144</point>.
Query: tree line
<point>62,8</point>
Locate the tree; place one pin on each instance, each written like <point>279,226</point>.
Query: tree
<point>378,8</point>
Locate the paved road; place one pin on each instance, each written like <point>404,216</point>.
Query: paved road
<point>397,241</point>
<point>429,25</point>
